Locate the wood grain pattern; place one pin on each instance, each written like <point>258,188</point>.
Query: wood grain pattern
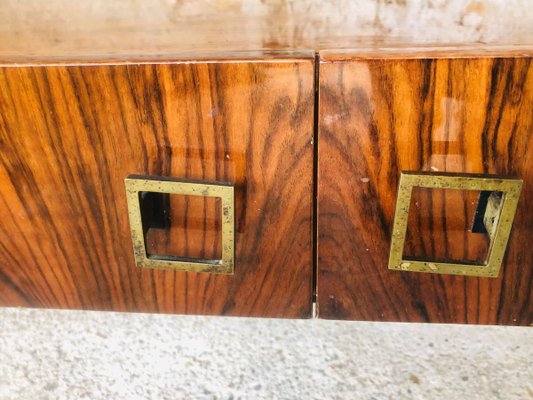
<point>440,225</point>
<point>69,135</point>
<point>382,116</point>
<point>192,227</point>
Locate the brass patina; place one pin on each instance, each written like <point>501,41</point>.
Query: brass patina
<point>135,185</point>
<point>498,219</point>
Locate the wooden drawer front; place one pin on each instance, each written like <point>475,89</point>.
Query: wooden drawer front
<point>379,117</point>
<point>69,135</point>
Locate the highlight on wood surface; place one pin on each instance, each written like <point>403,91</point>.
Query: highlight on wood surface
<point>70,135</point>
<point>379,117</point>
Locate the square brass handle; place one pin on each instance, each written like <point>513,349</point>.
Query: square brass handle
<point>136,184</point>
<point>498,226</point>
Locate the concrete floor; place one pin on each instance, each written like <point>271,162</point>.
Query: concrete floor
<point>47,354</point>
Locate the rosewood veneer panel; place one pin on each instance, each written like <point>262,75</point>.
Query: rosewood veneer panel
<point>69,135</point>
<point>385,115</point>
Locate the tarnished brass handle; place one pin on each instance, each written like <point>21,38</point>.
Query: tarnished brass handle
<point>135,185</point>
<point>497,220</point>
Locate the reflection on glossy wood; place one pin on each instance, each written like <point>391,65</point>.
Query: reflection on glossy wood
<point>70,135</point>
<point>379,117</point>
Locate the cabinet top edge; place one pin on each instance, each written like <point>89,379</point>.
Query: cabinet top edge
<point>476,50</point>
<point>273,57</point>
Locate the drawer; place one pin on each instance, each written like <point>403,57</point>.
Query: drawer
<point>71,134</point>
<point>442,115</point>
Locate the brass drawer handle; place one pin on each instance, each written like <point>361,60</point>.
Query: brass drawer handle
<point>135,185</point>
<point>497,219</point>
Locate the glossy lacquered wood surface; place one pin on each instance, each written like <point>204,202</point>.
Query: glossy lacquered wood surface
<point>70,135</point>
<point>378,117</point>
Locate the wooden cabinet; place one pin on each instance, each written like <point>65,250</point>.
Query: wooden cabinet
<point>308,118</point>
<point>383,115</point>
<point>69,136</point>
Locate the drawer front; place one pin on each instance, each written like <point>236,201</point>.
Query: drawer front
<point>383,117</point>
<point>70,135</point>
